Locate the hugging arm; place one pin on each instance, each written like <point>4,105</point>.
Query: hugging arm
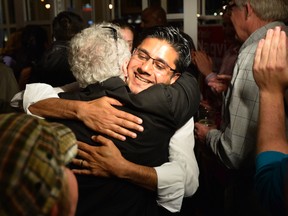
<point>173,180</point>
<point>98,114</point>
<point>42,100</point>
<point>178,178</point>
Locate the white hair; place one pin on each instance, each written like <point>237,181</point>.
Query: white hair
<point>276,10</point>
<point>98,53</point>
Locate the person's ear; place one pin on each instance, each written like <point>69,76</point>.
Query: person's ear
<point>248,10</point>
<point>124,68</point>
<point>174,77</point>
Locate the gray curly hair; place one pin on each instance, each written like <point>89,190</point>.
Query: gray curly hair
<point>98,53</point>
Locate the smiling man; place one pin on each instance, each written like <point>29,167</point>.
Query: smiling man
<point>139,78</point>
<point>160,58</point>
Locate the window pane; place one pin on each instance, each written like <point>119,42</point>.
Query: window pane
<point>2,12</point>
<point>11,10</point>
<point>129,7</point>
<point>174,6</point>
<point>213,6</point>
<point>154,2</point>
<point>37,10</point>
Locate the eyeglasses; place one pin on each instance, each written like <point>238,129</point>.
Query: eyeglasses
<point>115,37</point>
<point>114,31</point>
<point>158,64</point>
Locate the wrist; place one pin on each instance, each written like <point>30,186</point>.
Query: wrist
<point>78,108</point>
<point>271,95</point>
<point>123,169</point>
<point>209,77</point>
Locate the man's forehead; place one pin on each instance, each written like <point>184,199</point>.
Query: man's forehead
<point>155,45</point>
<point>158,48</point>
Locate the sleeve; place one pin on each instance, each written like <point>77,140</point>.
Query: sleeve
<point>185,95</point>
<point>39,91</point>
<point>36,92</point>
<point>178,102</point>
<point>234,144</point>
<point>271,169</point>
<point>178,178</point>
<point>32,94</point>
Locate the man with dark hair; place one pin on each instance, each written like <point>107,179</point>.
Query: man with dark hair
<point>161,58</point>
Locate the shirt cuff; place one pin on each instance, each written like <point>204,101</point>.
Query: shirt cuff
<point>170,187</point>
<point>209,77</point>
<point>36,92</point>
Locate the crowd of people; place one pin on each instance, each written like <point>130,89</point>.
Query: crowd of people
<point>104,121</point>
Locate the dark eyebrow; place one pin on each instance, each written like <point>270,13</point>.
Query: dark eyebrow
<point>158,59</point>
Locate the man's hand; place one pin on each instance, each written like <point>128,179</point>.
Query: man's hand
<point>270,72</point>
<point>220,83</point>
<point>271,62</point>
<point>203,62</point>
<point>105,160</point>
<point>101,116</point>
<point>201,130</point>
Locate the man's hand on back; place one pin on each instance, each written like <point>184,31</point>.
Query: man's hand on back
<point>101,116</point>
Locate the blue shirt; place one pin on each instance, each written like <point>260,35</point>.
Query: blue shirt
<point>270,178</point>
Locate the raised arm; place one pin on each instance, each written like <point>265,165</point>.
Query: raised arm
<point>270,71</point>
<point>271,76</point>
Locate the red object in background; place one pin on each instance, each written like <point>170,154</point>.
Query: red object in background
<point>211,40</point>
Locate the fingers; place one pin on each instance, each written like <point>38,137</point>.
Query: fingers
<point>81,171</point>
<point>128,120</point>
<point>268,49</point>
<point>282,49</point>
<point>85,151</point>
<point>119,133</point>
<point>121,114</point>
<point>270,62</point>
<point>112,101</point>
<point>271,42</point>
<point>102,140</point>
<point>218,86</point>
<point>106,119</point>
<point>257,57</point>
<point>84,146</point>
<point>80,162</point>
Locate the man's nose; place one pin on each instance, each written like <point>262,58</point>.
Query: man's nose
<point>147,66</point>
